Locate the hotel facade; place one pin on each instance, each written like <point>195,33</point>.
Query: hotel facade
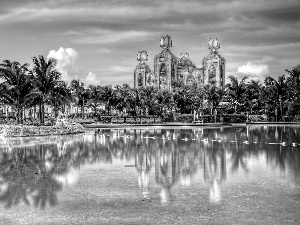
<point>169,68</point>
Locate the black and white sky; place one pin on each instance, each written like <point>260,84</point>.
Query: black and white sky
<point>96,41</point>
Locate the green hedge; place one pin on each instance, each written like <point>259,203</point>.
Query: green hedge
<point>184,118</point>
<point>233,118</point>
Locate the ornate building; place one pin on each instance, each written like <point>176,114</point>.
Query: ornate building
<point>214,65</point>
<point>142,71</point>
<point>169,68</point>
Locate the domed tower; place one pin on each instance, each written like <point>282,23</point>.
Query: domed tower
<point>142,70</point>
<point>214,65</point>
<point>165,65</point>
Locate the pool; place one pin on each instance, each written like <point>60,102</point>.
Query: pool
<point>218,175</point>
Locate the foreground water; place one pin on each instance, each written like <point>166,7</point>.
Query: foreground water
<point>233,175</point>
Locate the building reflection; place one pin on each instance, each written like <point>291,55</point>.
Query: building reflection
<point>166,170</point>
<point>143,166</point>
<point>35,170</point>
<point>214,168</point>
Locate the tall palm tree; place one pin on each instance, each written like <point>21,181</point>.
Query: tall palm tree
<point>80,94</point>
<point>183,97</point>
<point>213,95</point>
<point>293,91</point>
<point>197,93</point>
<point>94,97</point>
<point>150,94</point>
<point>277,91</point>
<point>235,92</point>
<point>46,82</point>
<point>164,99</point>
<point>138,100</point>
<point>60,97</point>
<point>123,97</point>
<point>253,93</point>
<point>107,96</point>
<point>16,87</point>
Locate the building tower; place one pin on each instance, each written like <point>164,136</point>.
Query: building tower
<point>142,71</point>
<point>165,65</point>
<point>214,65</point>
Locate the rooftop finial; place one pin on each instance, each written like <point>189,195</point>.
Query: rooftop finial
<point>142,56</point>
<point>213,44</point>
<point>166,42</point>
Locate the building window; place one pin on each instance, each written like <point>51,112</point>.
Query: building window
<point>140,80</point>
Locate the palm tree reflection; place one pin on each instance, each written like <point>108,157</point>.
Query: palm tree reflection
<point>238,156</point>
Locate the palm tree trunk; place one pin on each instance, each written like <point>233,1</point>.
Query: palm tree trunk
<point>108,106</point>
<point>95,110</point>
<point>43,112</point>
<point>40,112</point>
<point>82,109</point>
<point>18,114</point>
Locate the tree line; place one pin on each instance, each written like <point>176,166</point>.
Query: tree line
<point>25,88</point>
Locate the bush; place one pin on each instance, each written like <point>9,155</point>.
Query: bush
<point>185,118</point>
<point>296,118</point>
<point>234,118</point>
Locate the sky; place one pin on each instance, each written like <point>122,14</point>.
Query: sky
<point>97,41</point>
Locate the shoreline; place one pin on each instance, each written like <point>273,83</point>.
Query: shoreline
<point>27,131</point>
<point>176,124</point>
<point>11,131</point>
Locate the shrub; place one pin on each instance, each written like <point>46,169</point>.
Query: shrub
<point>185,118</point>
<point>234,118</point>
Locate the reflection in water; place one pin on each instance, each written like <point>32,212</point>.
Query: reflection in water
<point>214,163</point>
<point>143,167</point>
<point>34,171</point>
<point>166,169</point>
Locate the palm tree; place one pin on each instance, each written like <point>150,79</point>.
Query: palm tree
<point>94,97</point>
<point>183,97</point>
<point>164,99</point>
<point>46,81</point>
<point>253,93</point>
<point>149,94</point>
<point>138,99</point>
<point>277,91</point>
<point>16,87</point>
<point>235,92</point>
<point>123,97</point>
<point>80,94</point>
<point>107,96</point>
<point>61,95</point>
<point>213,95</point>
<point>293,91</point>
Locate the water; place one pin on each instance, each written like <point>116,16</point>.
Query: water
<point>229,175</point>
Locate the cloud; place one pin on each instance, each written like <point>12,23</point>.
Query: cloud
<point>67,62</point>
<point>124,69</point>
<point>91,78</point>
<point>100,36</point>
<point>252,69</point>
<point>257,72</point>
